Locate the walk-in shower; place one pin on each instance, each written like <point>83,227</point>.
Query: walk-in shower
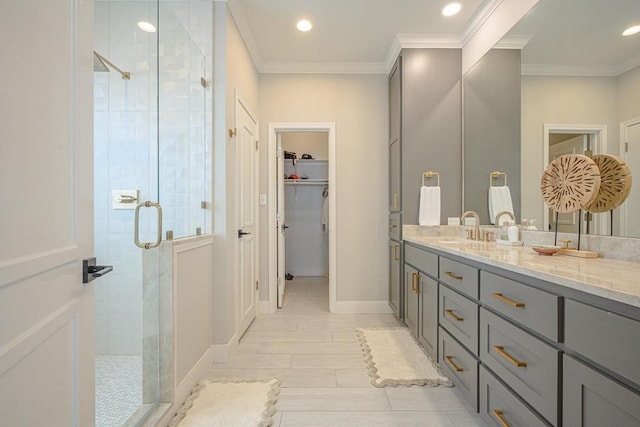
<point>152,139</point>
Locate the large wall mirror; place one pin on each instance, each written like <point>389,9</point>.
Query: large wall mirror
<point>579,91</point>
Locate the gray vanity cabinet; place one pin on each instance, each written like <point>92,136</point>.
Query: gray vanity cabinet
<point>425,133</point>
<point>428,330</point>
<point>394,277</point>
<point>395,154</point>
<point>592,399</point>
<point>411,298</point>
<point>421,297</point>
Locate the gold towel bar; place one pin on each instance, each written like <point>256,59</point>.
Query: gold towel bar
<point>496,174</point>
<point>430,174</point>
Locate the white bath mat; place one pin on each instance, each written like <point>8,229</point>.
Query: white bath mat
<point>394,358</point>
<point>229,403</point>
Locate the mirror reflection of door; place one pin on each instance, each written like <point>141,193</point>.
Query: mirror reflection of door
<point>632,159</point>
<point>559,145</point>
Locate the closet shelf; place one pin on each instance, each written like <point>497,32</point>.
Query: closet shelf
<point>306,182</point>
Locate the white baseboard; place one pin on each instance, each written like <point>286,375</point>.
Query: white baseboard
<point>183,390</point>
<point>264,307</point>
<point>221,352</point>
<point>377,307</point>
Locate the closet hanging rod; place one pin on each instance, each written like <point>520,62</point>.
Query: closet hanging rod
<point>496,174</point>
<point>430,174</point>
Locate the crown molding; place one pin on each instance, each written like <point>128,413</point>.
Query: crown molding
<point>513,42</point>
<point>478,20</point>
<point>417,41</point>
<point>237,13</point>
<point>569,70</point>
<point>322,68</point>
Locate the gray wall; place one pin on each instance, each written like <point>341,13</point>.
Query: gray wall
<point>492,128</point>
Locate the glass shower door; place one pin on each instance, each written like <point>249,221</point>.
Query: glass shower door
<point>125,172</point>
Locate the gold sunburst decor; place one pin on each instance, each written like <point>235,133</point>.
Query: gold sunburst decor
<point>570,183</point>
<point>615,183</point>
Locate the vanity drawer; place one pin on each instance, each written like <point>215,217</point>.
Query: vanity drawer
<point>424,261</point>
<point>607,338</point>
<point>536,309</point>
<point>459,365</point>
<point>459,316</point>
<point>459,276</point>
<point>500,407</point>
<point>394,226</point>
<point>526,364</point>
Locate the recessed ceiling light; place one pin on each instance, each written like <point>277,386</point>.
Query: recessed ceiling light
<point>631,30</point>
<point>304,25</point>
<point>146,26</point>
<point>451,8</point>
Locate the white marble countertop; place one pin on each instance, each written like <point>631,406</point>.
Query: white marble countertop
<point>612,279</point>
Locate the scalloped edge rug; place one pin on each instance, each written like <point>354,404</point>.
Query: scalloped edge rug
<point>394,358</point>
<point>229,403</point>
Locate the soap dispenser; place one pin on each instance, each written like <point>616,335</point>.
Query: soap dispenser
<point>513,232</point>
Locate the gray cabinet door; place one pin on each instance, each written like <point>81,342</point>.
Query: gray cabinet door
<point>394,277</point>
<point>395,156</point>
<point>411,301</point>
<point>428,334</point>
<point>591,399</point>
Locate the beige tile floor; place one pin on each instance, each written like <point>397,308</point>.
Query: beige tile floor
<point>317,356</point>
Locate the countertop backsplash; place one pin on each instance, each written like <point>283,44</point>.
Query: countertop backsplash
<point>620,248</point>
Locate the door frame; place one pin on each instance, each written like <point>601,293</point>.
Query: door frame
<point>623,155</point>
<point>239,103</point>
<point>599,147</point>
<point>274,129</point>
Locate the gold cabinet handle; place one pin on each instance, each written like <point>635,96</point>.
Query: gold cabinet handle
<point>507,301</point>
<point>500,417</point>
<point>453,364</point>
<point>454,315</point>
<point>418,283</point>
<point>413,281</point>
<point>396,252</point>
<point>396,197</point>
<point>510,358</point>
<point>453,275</point>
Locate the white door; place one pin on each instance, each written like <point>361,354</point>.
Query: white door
<point>247,185</point>
<point>46,213</point>
<point>280,221</point>
<point>567,222</point>
<point>631,207</point>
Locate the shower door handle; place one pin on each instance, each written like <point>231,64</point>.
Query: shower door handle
<point>136,232</point>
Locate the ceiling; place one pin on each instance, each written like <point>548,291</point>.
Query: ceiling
<point>561,37</point>
<point>360,36</point>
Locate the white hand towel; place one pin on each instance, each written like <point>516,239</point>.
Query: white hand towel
<point>499,200</point>
<point>429,210</point>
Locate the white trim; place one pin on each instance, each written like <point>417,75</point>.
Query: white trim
<point>183,390</point>
<point>238,16</point>
<point>349,307</point>
<point>569,70</point>
<point>322,68</point>
<point>513,42</point>
<point>623,155</point>
<point>417,41</point>
<point>193,242</point>
<point>222,352</point>
<point>274,128</point>
<point>600,147</point>
<point>478,20</point>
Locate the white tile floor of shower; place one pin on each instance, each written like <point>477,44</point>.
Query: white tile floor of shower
<point>118,388</point>
<point>324,380</point>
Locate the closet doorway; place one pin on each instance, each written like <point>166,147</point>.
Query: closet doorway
<point>302,213</point>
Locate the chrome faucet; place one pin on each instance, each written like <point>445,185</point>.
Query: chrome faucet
<point>475,233</point>
<point>499,215</point>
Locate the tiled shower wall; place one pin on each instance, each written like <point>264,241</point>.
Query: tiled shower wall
<point>166,160</point>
